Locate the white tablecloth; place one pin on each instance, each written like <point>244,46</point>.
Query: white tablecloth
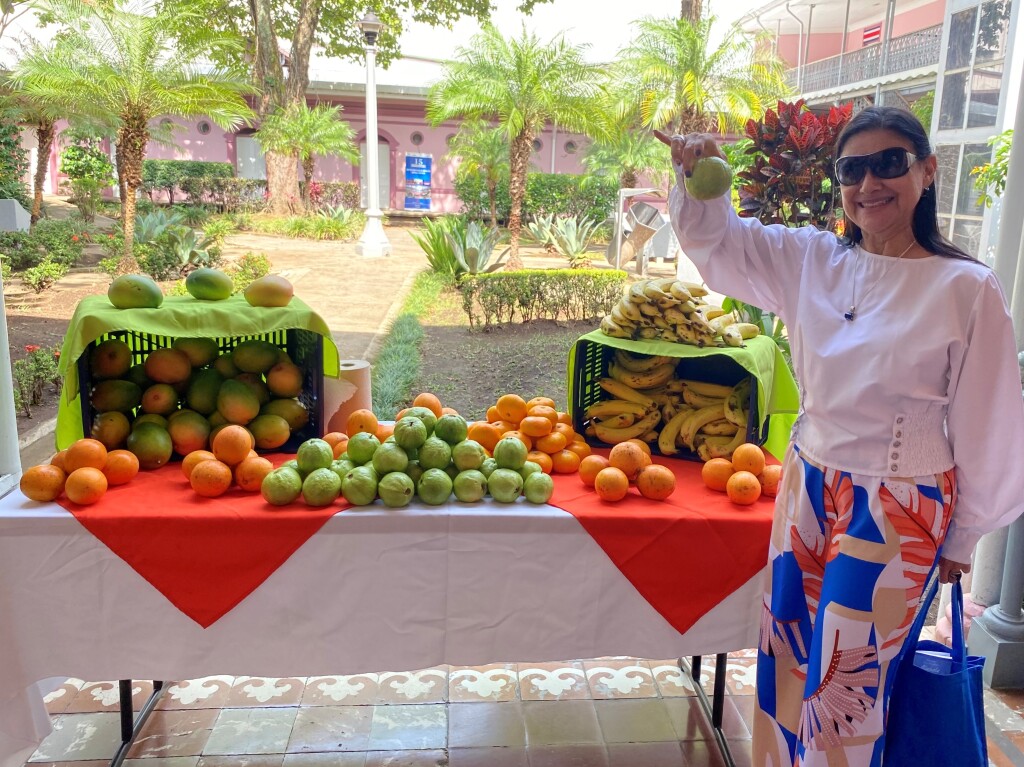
<point>376,589</point>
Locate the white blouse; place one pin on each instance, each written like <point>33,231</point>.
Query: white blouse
<point>923,379</point>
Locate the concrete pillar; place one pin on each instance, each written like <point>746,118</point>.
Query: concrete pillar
<point>998,634</point>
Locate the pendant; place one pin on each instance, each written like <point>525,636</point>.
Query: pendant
<point>850,313</point>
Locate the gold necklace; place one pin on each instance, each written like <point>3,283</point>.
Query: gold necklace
<point>851,313</point>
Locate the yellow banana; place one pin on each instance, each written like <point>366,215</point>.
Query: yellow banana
<point>735,403</point>
<point>640,363</point>
<point>712,312</point>
<point>622,391</point>
<point>648,333</point>
<point>648,380</point>
<point>692,288</point>
<point>654,293</point>
<point>703,416</point>
<point>636,430</point>
<point>708,389</point>
<point>721,322</point>
<point>649,309</point>
<point>670,431</point>
<point>698,400</point>
<point>618,421</point>
<point>611,328</point>
<point>651,436</point>
<point>732,337</point>
<point>746,329</point>
<point>628,309</point>
<point>722,426</point>
<point>611,407</point>
<point>636,293</point>
<point>712,447</point>
<point>675,316</point>
<point>680,291</point>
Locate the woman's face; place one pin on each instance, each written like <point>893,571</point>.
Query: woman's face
<point>884,207</point>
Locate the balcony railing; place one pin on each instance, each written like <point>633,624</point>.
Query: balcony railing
<point>906,52</point>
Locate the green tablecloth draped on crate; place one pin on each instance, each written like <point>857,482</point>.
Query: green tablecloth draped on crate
<point>778,398</point>
<point>177,317</point>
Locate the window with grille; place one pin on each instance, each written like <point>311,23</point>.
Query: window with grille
<point>960,216</point>
<point>974,66</point>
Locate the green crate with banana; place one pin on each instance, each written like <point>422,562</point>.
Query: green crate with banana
<point>688,401</point>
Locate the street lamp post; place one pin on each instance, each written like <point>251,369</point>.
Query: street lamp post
<point>374,242</point>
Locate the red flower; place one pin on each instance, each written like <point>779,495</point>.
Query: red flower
<point>74,238</point>
<point>56,355</point>
<point>30,348</point>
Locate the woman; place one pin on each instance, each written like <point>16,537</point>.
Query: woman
<point>909,436</point>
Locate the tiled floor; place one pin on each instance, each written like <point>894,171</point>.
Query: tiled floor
<point>605,712</point>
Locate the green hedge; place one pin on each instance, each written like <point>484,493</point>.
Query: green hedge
<point>13,163</point>
<point>533,294</point>
<point>193,177</point>
<point>557,194</point>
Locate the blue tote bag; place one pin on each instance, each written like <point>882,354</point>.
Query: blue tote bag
<point>936,712</point>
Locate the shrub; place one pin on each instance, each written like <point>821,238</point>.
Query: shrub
<point>5,269</point>
<point>550,194</point>
<point>248,268</point>
<point>49,240</point>
<point>334,194</point>
<point>531,294</point>
<point>13,163</point>
<point>40,277</point>
<point>31,374</point>
<point>89,171</point>
<point>438,247</point>
<point>238,195</point>
<point>196,178</point>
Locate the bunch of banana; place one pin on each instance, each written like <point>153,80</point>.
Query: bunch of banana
<point>712,422</point>
<point>673,310</point>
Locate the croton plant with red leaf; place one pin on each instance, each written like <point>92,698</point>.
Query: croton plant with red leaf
<point>791,180</point>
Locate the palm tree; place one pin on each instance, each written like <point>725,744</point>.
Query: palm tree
<point>300,131</point>
<point>522,84</point>
<point>483,150</point>
<point>29,113</point>
<point>629,152</point>
<point>685,85</point>
<point>123,68</point>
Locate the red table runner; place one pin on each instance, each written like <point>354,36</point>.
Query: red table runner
<point>205,555</point>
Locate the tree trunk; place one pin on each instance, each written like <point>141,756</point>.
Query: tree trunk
<point>690,10</point>
<point>44,140</point>
<point>283,184</point>
<point>132,138</point>
<point>492,194</point>
<point>519,161</point>
<point>307,173</point>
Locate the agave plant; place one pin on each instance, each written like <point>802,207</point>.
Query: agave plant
<point>474,247</point>
<point>572,238</point>
<point>188,247</point>
<point>338,213</point>
<point>540,231</point>
<point>437,246</point>
<point>151,225</point>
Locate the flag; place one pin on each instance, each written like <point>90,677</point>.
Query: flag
<point>872,34</point>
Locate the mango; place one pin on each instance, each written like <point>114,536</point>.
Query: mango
<point>123,396</point>
<point>202,391</point>
<point>110,359</point>
<point>168,366</point>
<point>209,284</point>
<point>135,291</point>
<point>237,402</point>
<point>200,351</point>
<point>255,356</point>
<point>272,290</point>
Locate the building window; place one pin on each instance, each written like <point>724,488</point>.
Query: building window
<point>203,127</point>
<point>960,216</point>
<point>537,145</point>
<point>974,66</point>
<point>167,122</point>
<point>571,147</point>
<point>416,138</point>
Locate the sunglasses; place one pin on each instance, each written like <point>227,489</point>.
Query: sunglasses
<point>888,163</point>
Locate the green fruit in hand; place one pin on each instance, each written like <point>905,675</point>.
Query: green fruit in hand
<point>321,487</point>
<point>505,485</point>
<point>361,447</point>
<point>510,453</point>
<point>451,428</point>
<point>314,454</point>
<point>410,432</point>
<point>281,486</point>
<point>435,454</point>
<point>396,489</point>
<point>538,487</point>
<point>434,487</point>
<point>711,178</point>
<point>470,486</point>
<point>360,486</point>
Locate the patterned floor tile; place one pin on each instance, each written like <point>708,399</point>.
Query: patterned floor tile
<point>1000,714</point>
<point>495,682</point>
<point>748,653</point>
<point>94,697</point>
<point>426,758</point>
<point>570,722</point>
<point>251,731</point>
<point>402,727</point>
<point>240,760</point>
<point>634,721</point>
<point>630,678</point>
<point>80,737</point>
<point>553,681</point>
<point>58,700</point>
<point>502,756</point>
<point>741,675</point>
<point>331,728</point>
<point>702,752</point>
<point>667,754</point>
<point>478,725</point>
<point>690,723</point>
<point>426,686</point>
<point>86,763</point>
<point>265,691</point>
<point>208,692</point>
<point>568,756</point>
<point>671,680</point>
<point>358,689</point>
<point>174,733</point>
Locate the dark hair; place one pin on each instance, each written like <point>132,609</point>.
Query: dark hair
<point>926,222</point>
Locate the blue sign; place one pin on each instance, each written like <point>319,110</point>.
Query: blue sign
<point>417,181</point>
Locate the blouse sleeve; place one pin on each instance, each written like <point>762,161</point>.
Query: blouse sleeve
<point>740,257</point>
<point>985,425</point>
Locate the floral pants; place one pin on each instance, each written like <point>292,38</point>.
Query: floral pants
<point>849,559</point>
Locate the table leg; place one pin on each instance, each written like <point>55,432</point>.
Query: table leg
<point>715,709</point>
<point>130,726</point>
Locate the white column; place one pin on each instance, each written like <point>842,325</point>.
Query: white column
<point>1010,248</point>
<point>374,242</point>
<point>10,460</point>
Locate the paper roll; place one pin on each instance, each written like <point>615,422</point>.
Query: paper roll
<point>348,392</point>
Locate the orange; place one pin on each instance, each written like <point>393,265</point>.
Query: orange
<point>430,402</point>
<point>189,461</point>
<point>86,485</point>
<point>334,437</point>
<point>748,457</point>
<point>487,434</point>
<point>541,402</point>
<point>361,420</point>
<point>564,418</point>
<point>249,473</point>
<point>385,430</point>
<point>340,448</point>
<point>567,430</point>
<point>641,444</point>
<point>402,414</point>
<point>541,459</point>
<point>43,483</point>
<point>716,473</point>
<point>743,488</point>
<point>449,411</point>
<point>210,478</point>
<point>611,484</point>
<point>590,466</point>
<point>552,443</point>
<point>535,426</point>
<point>543,410</point>
<point>504,427</point>
<point>656,482</point>
<point>526,440</point>
<point>565,462</point>
<point>511,407</point>
<point>252,454</point>
<point>629,458</point>
<point>122,466</point>
<point>58,459</point>
<point>770,479</point>
<point>581,448</point>
<point>232,444</point>
<point>493,414</point>
<point>85,452</point>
